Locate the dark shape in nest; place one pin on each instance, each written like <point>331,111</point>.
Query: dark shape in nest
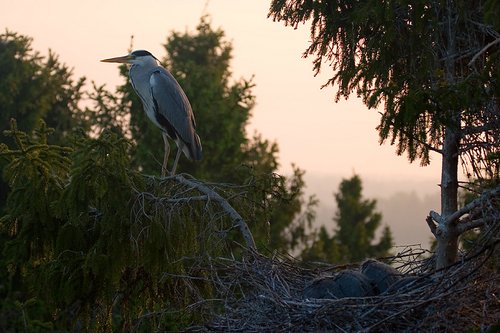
<point>346,283</point>
<point>381,275</point>
<point>374,278</point>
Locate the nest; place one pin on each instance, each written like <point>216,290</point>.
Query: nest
<point>268,293</point>
<point>265,294</point>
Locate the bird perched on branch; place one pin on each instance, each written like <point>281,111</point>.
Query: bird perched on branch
<point>165,103</point>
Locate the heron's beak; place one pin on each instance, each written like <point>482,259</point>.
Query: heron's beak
<point>125,59</point>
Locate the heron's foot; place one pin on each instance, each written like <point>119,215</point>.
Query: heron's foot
<point>165,172</point>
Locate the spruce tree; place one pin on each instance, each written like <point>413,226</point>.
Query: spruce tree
<point>357,223</point>
<point>432,66</point>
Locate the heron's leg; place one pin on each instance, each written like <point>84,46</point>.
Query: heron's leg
<point>164,170</point>
<point>179,151</point>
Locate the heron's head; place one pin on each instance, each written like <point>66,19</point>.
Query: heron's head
<point>138,57</point>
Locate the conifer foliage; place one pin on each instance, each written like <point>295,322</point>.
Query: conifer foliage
<point>94,244</point>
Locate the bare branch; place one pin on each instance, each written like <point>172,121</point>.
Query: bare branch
<point>483,50</point>
<point>188,199</point>
<point>454,218</point>
<point>469,130</point>
<point>436,217</point>
<point>477,144</point>
<point>235,216</point>
<point>431,224</point>
<point>463,227</point>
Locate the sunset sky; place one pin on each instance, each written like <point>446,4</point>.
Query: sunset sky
<point>319,135</point>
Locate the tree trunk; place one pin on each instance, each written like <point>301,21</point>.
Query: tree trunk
<point>447,233</point>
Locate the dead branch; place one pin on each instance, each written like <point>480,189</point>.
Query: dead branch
<point>434,216</point>
<point>233,214</point>
<point>171,196</point>
<point>463,227</point>
<point>484,49</point>
<point>431,224</point>
<point>454,218</point>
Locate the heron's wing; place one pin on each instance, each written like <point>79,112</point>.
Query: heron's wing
<point>173,111</point>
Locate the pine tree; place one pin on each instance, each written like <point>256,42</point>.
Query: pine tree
<point>97,235</point>
<point>356,225</point>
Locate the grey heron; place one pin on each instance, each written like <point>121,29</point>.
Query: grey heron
<point>165,104</point>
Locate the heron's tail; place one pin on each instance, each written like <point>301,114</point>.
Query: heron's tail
<point>193,150</point>
<point>196,150</point>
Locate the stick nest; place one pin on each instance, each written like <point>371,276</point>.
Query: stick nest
<point>265,294</point>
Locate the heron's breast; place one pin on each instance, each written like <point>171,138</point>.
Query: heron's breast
<point>144,94</point>
<point>150,112</point>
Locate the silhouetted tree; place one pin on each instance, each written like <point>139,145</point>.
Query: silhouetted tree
<point>356,226</point>
<point>34,87</point>
<point>432,65</point>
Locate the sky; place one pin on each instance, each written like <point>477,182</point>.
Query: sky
<point>328,140</point>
